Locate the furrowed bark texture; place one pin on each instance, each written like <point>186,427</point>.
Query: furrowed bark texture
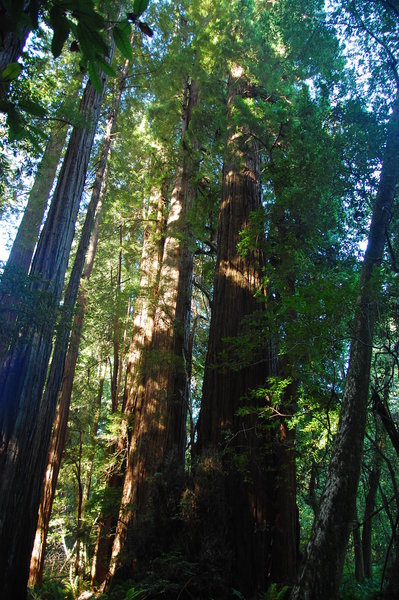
<point>28,231</point>
<point>24,435</point>
<point>226,388</point>
<point>63,364</point>
<point>16,270</point>
<point>157,441</point>
<point>322,570</point>
<point>143,322</point>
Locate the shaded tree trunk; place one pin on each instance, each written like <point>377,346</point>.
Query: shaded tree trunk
<point>84,489</point>
<point>243,442</point>
<point>26,430</point>
<point>64,363</point>
<point>62,381</point>
<point>322,570</point>
<point>157,439</point>
<point>358,551</point>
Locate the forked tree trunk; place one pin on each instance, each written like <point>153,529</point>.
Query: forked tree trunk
<point>143,321</point>
<point>25,422</point>
<point>322,570</point>
<point>157,439</point>
<point>243,443</point>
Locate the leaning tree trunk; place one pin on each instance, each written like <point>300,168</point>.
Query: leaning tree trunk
<point>239,439</point>
<point>322,570</point>
<point>16,270</point>
<point>143,322</point>
<point>25,435</point>
<point>63,364</point>
<point>157,439</point>
<point>28,231</point>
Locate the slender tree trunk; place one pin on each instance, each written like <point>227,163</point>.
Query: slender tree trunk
<point>373,481</point>
<point>322,571</point>
<point>358,551</point>
<point>157,439</point>
<point>144,308</point>
<point>64,363</point>
<point>85,489</point>
<point>61,417</point>
<point>25,421</point>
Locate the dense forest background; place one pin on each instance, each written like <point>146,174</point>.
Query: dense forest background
<point>199,310</point>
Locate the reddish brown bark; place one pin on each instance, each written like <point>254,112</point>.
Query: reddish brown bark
<point>62,373</point>
<point>157,439</point>
<point>257,458</point>
<point>25,421</point>
<point>143,322</point>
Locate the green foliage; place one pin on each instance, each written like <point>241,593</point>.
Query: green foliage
<point>122,32</point>
<point>52,590</point>
<point>276,592</point>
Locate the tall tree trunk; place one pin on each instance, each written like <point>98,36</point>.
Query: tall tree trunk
<point>242,442</point>
<point>28,232</point>
<point>25,421</point>
<point>322,570</point>
<point>85,489</point>
<point>58,435</point>
<point>16,270</point>
<point>157,439</point>
<point>143,322</point>
<point>64,363</point>
<point>373,481</point>
<point>371,495</point>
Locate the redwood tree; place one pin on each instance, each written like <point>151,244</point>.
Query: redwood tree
<point>157,440</point>
<point>24,436</point>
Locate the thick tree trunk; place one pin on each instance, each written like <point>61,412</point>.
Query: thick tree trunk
<point>25,421</point>
<point>28,232</point>
<point>157,439</point>
<point>245,446</point>
<point>16,270</point>
<point>322,570</point>
<point>144,308</point>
